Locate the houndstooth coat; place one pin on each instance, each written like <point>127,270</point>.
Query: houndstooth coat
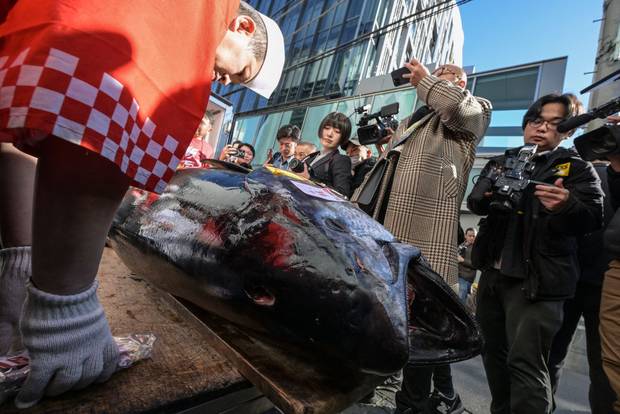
<point>430,177</point>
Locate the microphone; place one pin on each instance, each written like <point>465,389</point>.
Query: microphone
<point>576,121</point>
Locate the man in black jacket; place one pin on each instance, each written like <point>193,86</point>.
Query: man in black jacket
<point>529,259</point>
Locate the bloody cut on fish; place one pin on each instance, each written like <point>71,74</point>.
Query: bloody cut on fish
<point>295,262</point>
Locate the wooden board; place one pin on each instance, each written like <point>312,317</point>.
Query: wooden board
<point>184,371</point>
<point>293,384</point>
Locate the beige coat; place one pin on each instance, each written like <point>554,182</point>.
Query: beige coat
<point>430,178</point>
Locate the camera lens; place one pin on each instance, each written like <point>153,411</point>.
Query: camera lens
<point>295,165</point>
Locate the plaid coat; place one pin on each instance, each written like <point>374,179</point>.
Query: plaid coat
<point>429,180</point>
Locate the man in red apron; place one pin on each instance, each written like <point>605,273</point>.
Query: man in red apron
<point>104,94</point>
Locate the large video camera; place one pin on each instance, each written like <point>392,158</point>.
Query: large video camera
<point>603,141</point>
<point>371,133</point>
<point>509,181</point>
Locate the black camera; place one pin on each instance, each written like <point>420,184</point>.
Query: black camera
<point>296,166</point>
<point>462,250</point>
<point>599,143</point>
<point>509,181</point>
<point>603,141</point>
<point>236,152</point>
<point>371,133</point>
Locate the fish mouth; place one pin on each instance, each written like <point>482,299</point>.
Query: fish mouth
<point>260,295</point>
<point>441,329</point>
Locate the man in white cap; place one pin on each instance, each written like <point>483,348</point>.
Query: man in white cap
<point>251,53</point>
<point>105,97</point>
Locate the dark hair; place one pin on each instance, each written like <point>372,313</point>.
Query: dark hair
<point>258,42</point>
<point>210,116</point>
<point>470,229</point>
<point>288,131</point>
<point>339,121</point>
<point>243,144</point>
<point>570,102</point>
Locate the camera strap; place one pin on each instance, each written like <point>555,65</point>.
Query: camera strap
<point>408,133</point>
<point>367,195</point>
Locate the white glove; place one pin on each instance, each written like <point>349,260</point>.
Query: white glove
<point>14,273</point>
<point>69,343</point>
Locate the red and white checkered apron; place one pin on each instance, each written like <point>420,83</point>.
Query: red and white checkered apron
<point>129,80</point>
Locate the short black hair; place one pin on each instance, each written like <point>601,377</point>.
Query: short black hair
<point>288,131</point>
<point>571,104</point>
<point>210,116</point>
<point>470,229</point>
<point>244,144</point>
<point>339,121</point>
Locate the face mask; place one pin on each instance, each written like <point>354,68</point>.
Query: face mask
<point>355,161</point>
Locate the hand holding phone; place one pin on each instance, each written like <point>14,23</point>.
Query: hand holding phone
<point>397,76</point>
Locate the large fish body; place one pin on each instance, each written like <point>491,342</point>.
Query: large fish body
<point>294,262</point>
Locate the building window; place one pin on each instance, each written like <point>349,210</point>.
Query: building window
<point>247,100</point>
<point>508,90</point>
<point>246,128</point>
<point>313,119</point>
<point>265,137</point>
<point>433,42</point>
<point>297,117</point>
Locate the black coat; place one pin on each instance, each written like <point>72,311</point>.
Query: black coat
<point>534,244</point>
<point>612,234</point>
<point>593,257</point>
<point>360,171</point>
<point>333,170</point>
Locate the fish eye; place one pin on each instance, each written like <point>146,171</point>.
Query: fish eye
<point>260,295</point>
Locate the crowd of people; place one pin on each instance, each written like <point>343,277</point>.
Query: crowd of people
<point>545,259</point>
<point>542,263</point>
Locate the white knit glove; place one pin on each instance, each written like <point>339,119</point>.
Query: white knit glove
<point>69,343</point>
<point>14,273</point>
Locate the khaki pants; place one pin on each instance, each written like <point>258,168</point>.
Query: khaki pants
<point>610,327</point>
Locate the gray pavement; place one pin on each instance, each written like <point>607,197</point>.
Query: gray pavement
<point>471,383</point>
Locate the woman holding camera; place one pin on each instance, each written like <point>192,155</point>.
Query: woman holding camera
<point>239,153</point>
<point>328,166</point>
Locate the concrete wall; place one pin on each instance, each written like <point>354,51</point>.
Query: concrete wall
<point>607,57</point>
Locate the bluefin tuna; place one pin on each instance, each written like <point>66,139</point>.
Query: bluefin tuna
<point>296,262</point>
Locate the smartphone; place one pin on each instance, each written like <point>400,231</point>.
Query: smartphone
<point>397,76</point>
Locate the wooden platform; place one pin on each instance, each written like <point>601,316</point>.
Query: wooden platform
<point>184,371</point>
<point>295,385</point>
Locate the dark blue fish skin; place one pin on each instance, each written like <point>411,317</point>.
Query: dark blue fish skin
<point>256,250</point>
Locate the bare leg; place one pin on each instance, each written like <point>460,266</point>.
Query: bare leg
<point>17,171</point>
<point>76,195</point>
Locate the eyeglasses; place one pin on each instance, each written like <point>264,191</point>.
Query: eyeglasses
<point>552,125</point>
<point>443,70</point>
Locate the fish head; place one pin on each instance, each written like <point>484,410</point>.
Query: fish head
<point>330,271</point>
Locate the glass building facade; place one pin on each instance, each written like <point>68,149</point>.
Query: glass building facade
<point>510,90</point>
<point>333,44</point>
